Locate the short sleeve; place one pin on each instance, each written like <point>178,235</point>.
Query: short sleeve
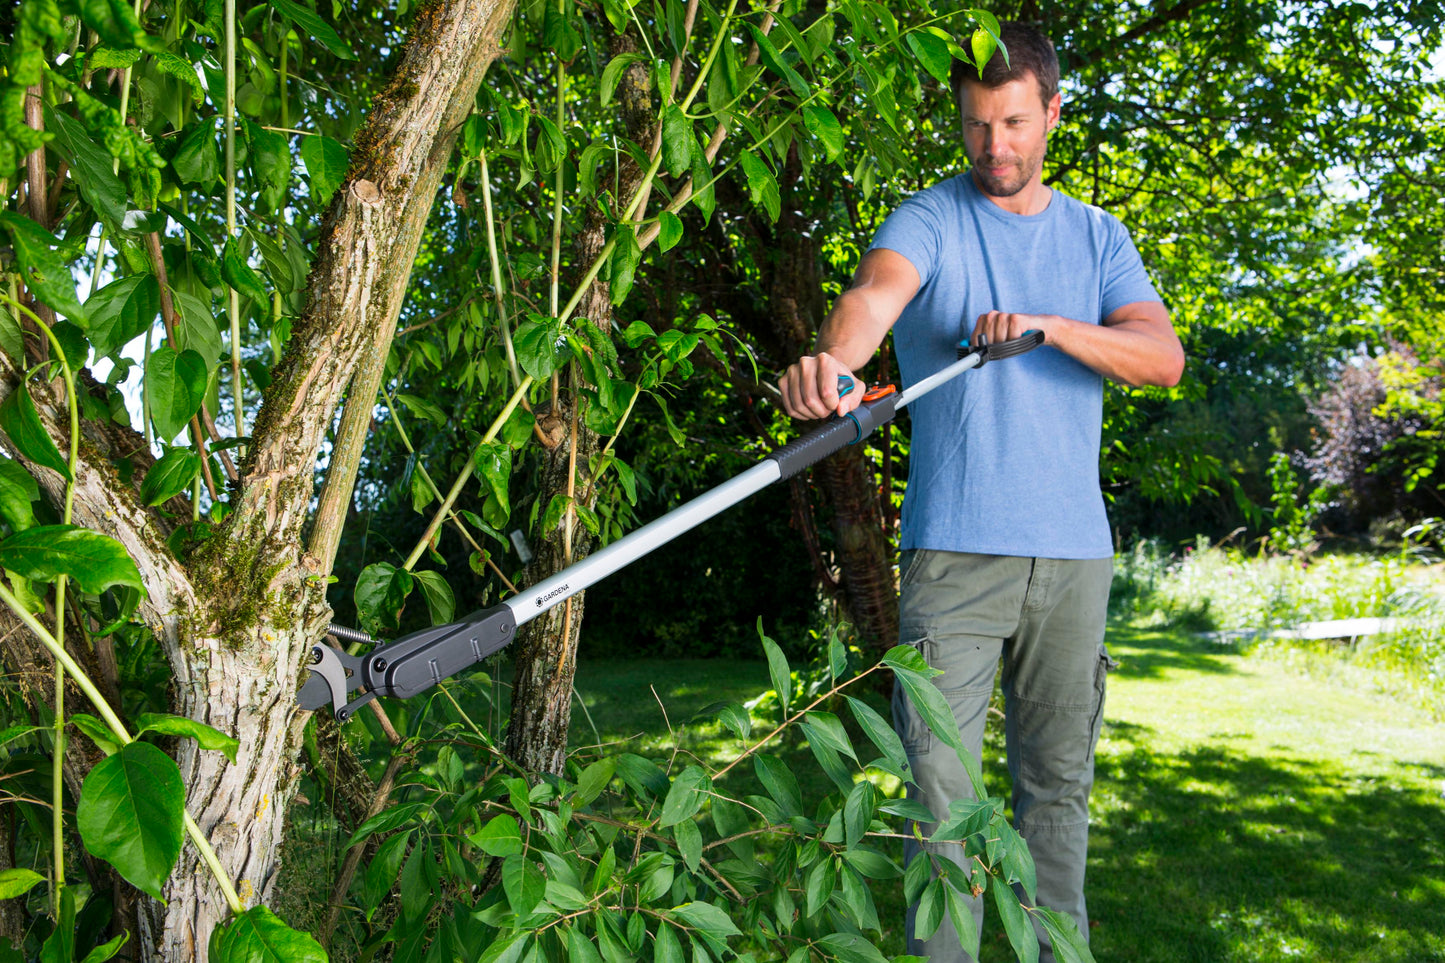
<point>1124,281</point>
<point>914,230</point>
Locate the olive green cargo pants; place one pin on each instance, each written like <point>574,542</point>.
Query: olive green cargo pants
<point>1045,619</point>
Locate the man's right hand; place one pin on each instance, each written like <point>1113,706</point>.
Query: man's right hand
<point>810,387</point>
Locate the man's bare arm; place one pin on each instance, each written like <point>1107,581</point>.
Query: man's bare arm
<point>1136,345</point>
<point>861,317</point>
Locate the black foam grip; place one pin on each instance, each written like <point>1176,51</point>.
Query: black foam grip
<point>838,433</point>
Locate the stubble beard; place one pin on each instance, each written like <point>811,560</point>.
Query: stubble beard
<point>1006,186</point>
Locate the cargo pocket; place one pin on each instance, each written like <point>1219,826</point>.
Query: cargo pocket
<point>912,730</point>
<point>1106,664</point>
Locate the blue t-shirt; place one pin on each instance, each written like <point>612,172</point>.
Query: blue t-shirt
<point>1005,458</point>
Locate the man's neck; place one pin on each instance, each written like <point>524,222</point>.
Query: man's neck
<point>1033,199</point>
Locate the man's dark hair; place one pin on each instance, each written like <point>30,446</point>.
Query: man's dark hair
<point>1029,52</point>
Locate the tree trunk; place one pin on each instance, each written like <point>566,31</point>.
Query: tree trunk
<point>547,646</point>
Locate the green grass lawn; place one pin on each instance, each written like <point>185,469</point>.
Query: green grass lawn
<point>1245,810</point>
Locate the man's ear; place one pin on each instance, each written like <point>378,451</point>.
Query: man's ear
<point>1052,111</point>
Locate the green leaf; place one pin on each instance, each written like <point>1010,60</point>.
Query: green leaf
<point>1016,924</point>
<point>380,595</point>
<point>310,24</point>
<point>823,124</point>
<point>18,882</point>
<point>507,948</point>
<point>666,946</point>
<point>177,383</point>
<point>625,257</point>
<point>130,814</point>
<point>593,780</point>
<point>1064,936</point>
<point>172,474</point>
<point>197,329</point>
<point>327,161</point>
<point>441,604</point>
<point>685,797</point>
<point>883,735</point>
<point>762,185</point>
<point>499,837</point>
<point>386,821</point>
<point>983,44</point>
<point>205,736</point>
<point>708,918</point>
<point>59,946</point>
<point>523,883</point>
<point>93,561</point>
<point>494,463</point>
<point>612,74</point>
<point>938,715</point>
<point>689,842</point>
<point>642,776</point>
<point>239,275</point>
<point>181,69</point>
<point>779,782</point>
<point>732,715</point>
<point>961,913</point>
<point>677,140</point>
<point>91,167</point>
<point>278,265</point>
<point>669,230</point>
<point>703,195</point>
<point>908,657</point>
<point>777,669</point>
<point>541,349</point>
<point>196,160</point>
<point>822,880</point>
<point>774,61</point>
<point>858,812</point>
<point>871,863</point>
<point>21,424</point>
<point>98,732</point>
<point>106,951</point>
<point>269,155</point>
<point>851,948</point>
<point>826,728</point>
<point>259,936</point>
<point>121,311</point>
<point>930,911</point>
<point>42,268</point>
<point>579,948</point>
<point>932,52</point>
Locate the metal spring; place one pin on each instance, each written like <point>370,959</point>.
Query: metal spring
<point>345,634</point>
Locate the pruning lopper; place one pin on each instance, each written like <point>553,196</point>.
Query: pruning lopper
<point>418,661</point>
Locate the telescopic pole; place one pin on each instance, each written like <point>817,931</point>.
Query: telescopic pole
<point>422,659</point>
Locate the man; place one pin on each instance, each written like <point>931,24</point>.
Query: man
<point>1007,552</point>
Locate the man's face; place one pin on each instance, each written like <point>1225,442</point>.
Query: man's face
<point>1005,133</point>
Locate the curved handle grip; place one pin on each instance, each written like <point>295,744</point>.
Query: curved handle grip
<point>1024,343</point>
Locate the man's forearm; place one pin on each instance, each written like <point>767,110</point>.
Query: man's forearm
<point>852,331</point>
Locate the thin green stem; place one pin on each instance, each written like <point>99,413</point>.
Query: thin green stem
<point>718,40</point>
<point>233,302</point>
<point>561,181</point>
<point>497,289</point>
